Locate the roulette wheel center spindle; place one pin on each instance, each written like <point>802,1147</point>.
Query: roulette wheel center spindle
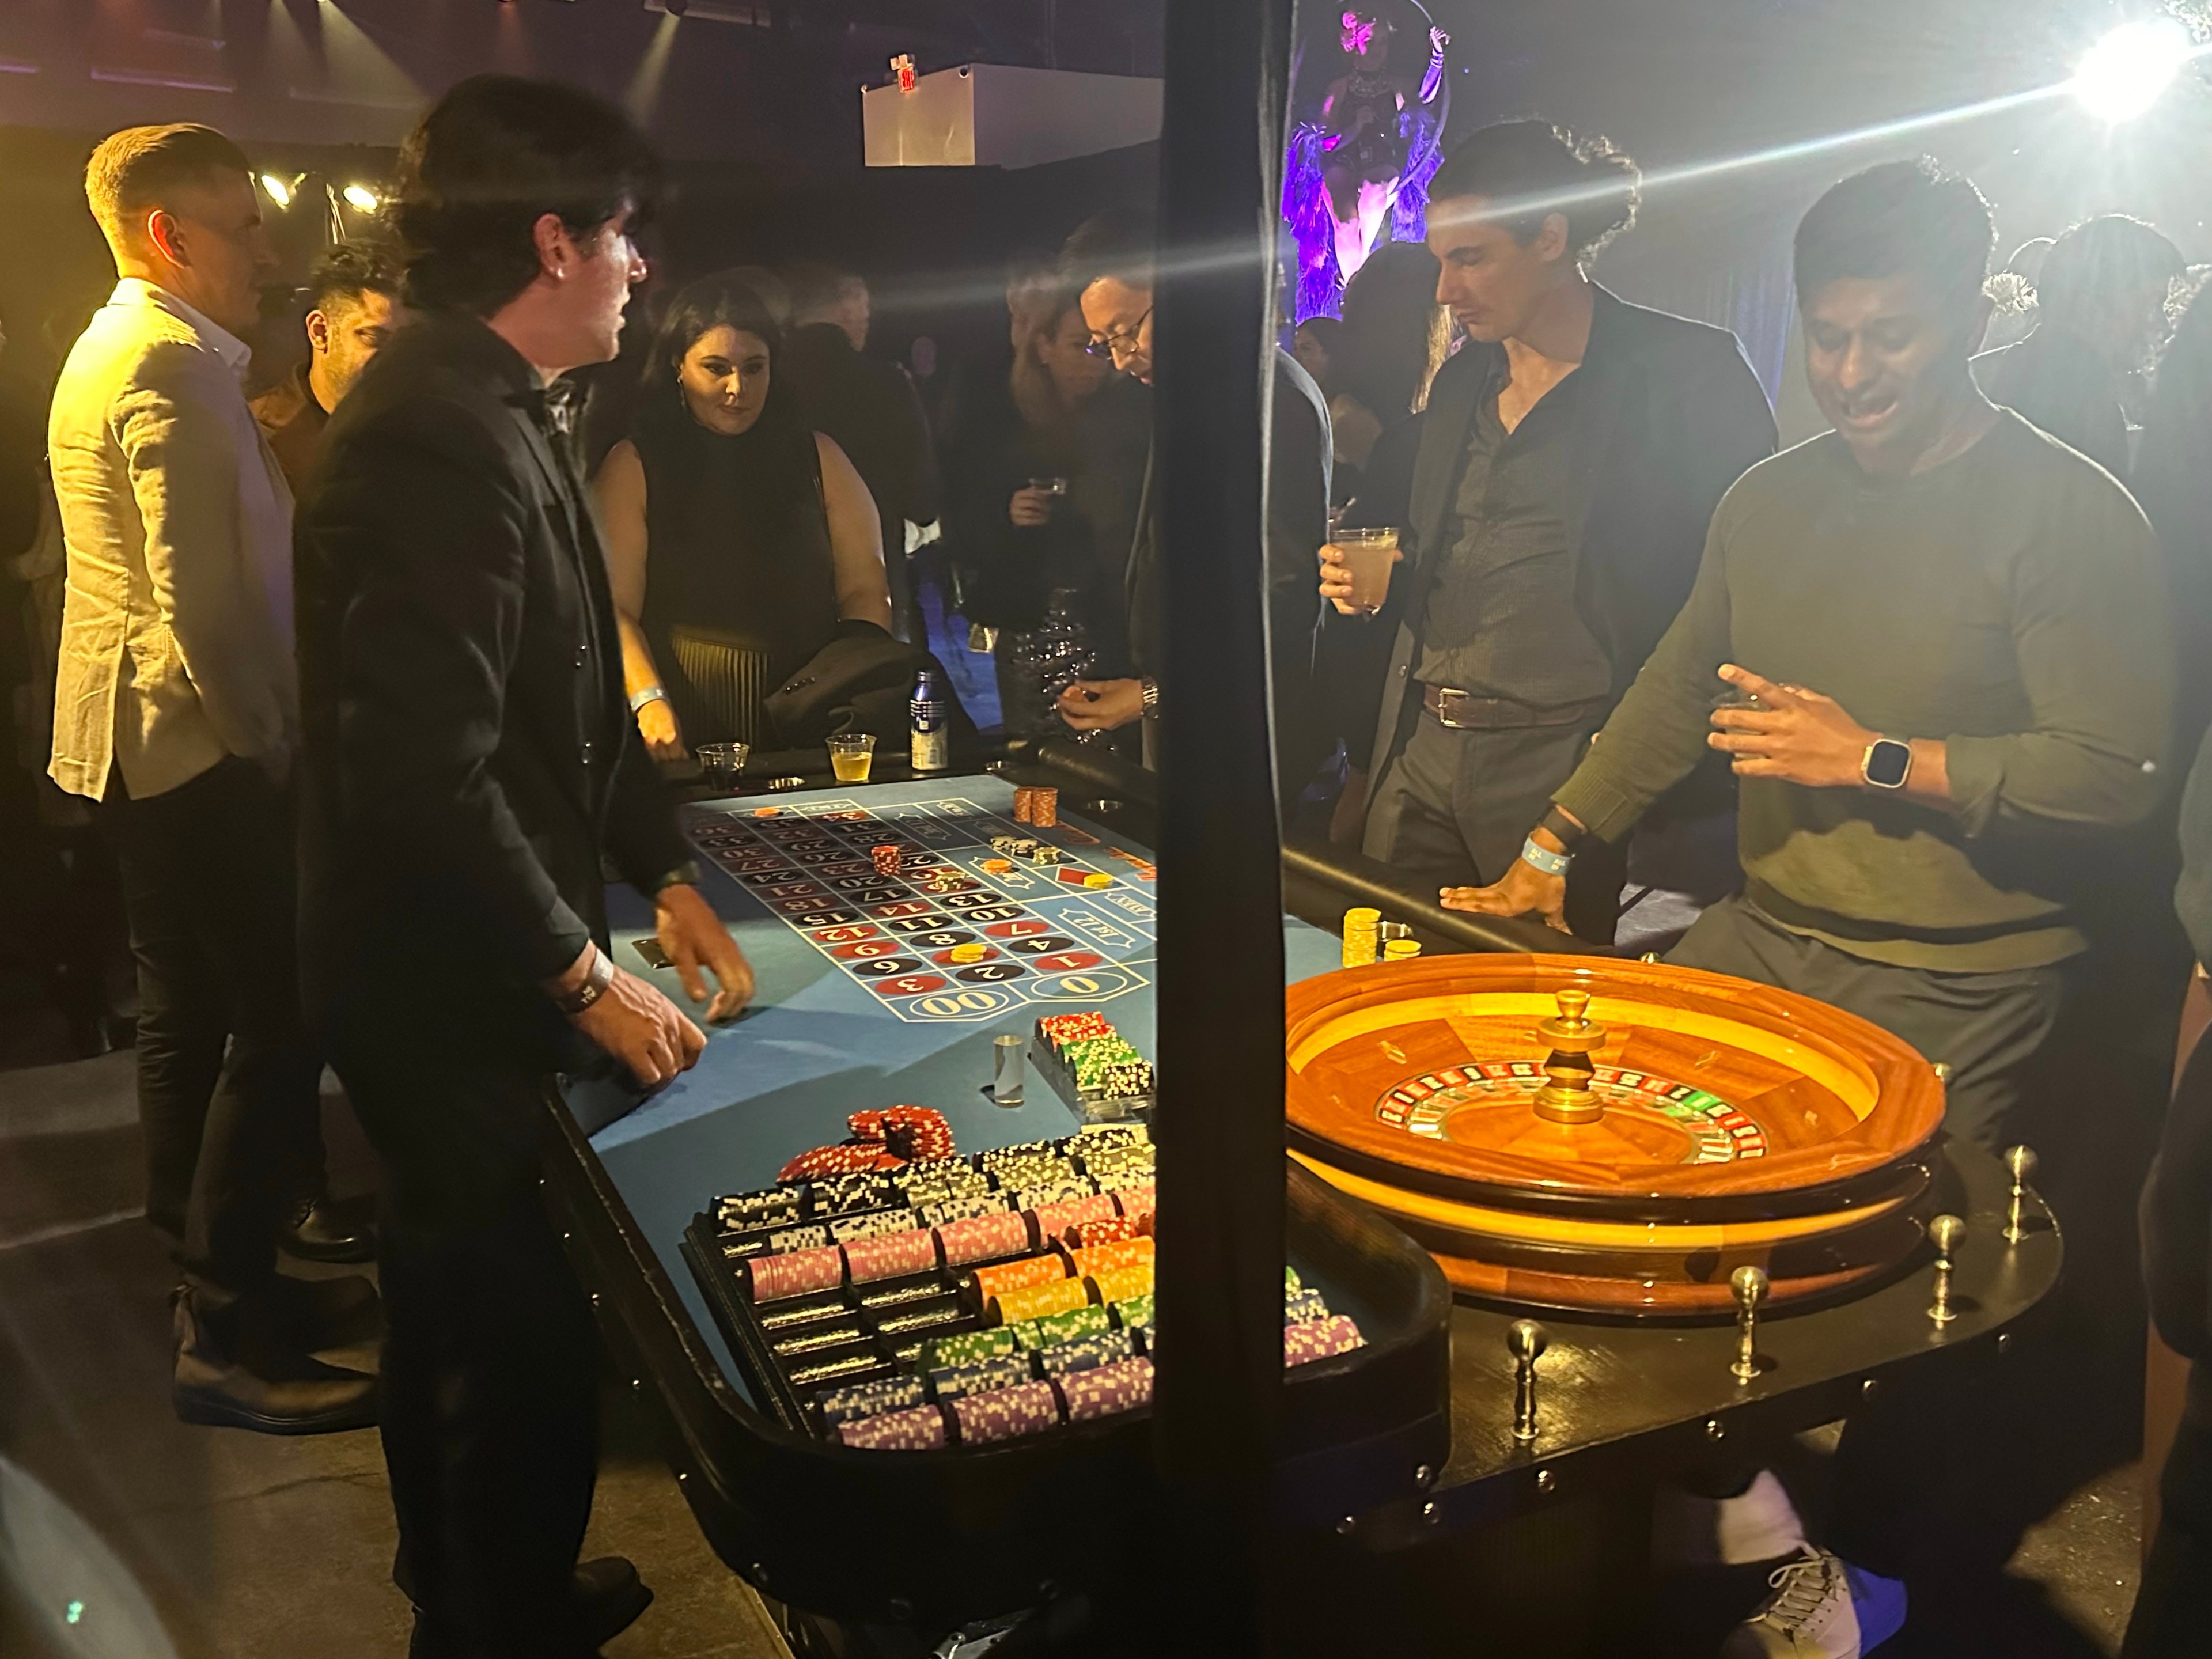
<point>1574,1036</point>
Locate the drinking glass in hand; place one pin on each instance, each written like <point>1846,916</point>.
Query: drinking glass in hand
<point>1368,555</point>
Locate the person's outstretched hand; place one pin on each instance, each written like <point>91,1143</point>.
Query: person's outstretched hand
<point>694,937</point>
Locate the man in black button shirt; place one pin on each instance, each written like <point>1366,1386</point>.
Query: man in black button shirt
<point>468,758</point>
<point>1570,460</point>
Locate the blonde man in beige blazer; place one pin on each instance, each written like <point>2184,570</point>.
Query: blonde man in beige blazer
<point>176,710</point>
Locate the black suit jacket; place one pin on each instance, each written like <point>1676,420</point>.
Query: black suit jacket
<point>1297,525</point>
<point>1669,416</point>
<point>872,411</point>
<point>468,753</point>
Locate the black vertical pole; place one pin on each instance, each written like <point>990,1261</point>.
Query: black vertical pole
<point>1220,942</point>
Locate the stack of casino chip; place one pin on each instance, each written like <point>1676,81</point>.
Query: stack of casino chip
<point>1362,929</point>
<point>1320,1339</point>
<point>859,1400</point>
<point>1025,804</point>
<point>1044,807</point>
<point>968,1348</point>
<point>846,1195</point>
<point>1057,1028</point>
<point>886,859</point>
<point>1303,1307</point>
<point>1071,1325</point>
<point>864,1224</point>
<point>1110,1258</point>
<point>1134,1315</point>
<point>980,1376</point>
<point>1006,1413</point>
<point>786,1239</point>
<point>1005,1278</point>
<point>892,1255</point>
<point>914,1133</point>
<point>1109,1230</point>
<point>921,1428</point>
<point>1107,1391</point>
<point>799,1272</point>
<point>1400,950</point>
<point>1122,1284</point>
<point>939,1212</point>
<point>1060,1222</point>
<point>1051,1190</point>
<point>1138,1203</point>
<point>1108,1068</point>
<point>825,1161</point>
<point>1035,1301</point>
<point>1107,1347</point>
<point>748,1212</point>
<point>983,1238</point>
<point>939,1179</point>
<point>973,950</point>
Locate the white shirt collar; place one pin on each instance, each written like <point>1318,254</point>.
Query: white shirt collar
<point>138,291</point>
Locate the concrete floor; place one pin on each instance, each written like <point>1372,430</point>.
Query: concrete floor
<point>214,1544</point>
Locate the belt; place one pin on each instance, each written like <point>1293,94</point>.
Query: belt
<point>1464,711</point>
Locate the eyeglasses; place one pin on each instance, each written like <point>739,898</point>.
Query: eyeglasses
<point>1121,340</point>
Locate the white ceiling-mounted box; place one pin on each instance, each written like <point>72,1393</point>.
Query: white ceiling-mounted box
<point>994,115</point>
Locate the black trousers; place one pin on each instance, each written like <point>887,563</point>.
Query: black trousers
<point>1990,1028</point>
<point>2173,1609</point>
<point>226,1075</point>
<point>1456,803</point>
<point>489,1413</point>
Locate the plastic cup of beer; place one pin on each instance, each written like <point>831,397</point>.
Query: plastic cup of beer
<point>851,756</point>
<point>1368,555</point>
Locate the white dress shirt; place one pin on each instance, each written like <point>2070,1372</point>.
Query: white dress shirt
<point>177,624</point>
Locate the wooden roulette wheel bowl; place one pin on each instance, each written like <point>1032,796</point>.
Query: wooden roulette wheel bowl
<point>1617,1137</point>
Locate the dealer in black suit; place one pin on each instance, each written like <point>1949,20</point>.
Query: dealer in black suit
<point>1569,463</point>
<point>468,759</point>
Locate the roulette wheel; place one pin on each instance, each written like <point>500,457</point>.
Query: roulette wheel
<point>1614,1137</point>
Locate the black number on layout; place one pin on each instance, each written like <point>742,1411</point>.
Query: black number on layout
<point>824,917</point>
<point>917,924</point>
<point>1039,944</point>
<point>938,938</point>
<point>983,973</point>
<point>886,967</point>
<point>972,901</point>
<point>996,912</point>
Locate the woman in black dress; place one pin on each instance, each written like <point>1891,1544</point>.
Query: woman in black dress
<point>737,539</point>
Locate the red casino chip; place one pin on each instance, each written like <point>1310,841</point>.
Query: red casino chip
<point>826,1161</point>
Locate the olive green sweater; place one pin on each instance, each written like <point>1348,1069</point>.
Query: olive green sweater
<point>2011,602</point>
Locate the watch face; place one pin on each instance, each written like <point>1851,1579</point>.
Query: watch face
<point>1887,762</point>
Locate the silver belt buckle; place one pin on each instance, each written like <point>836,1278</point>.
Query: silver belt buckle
<point>1448,702</point>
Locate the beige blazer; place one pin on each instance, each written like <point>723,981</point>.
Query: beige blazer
<point>176,643</point>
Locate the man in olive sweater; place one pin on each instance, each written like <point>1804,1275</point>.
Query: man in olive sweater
<point>1942,661</point>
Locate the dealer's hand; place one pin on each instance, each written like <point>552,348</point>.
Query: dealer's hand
<point>693,936</point>
<point>637,1025</point>
<point>1336,580</point>
<point>1522,891</point>
<point>1798,737</point>
<point>1102,705</point>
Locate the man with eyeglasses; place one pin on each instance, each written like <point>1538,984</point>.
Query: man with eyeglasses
<point>1112,261</point>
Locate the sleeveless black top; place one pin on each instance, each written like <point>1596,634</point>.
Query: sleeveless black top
<point>736,557</point>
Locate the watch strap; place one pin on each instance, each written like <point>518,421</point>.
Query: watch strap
<point>1562,828</point>
<point>686,874</point>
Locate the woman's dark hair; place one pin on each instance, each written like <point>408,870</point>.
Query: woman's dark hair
<point>1390,322</point>
<point>779,442</point>
<point>1899,217</point>
<point>492,157</point>
<point>1532,169</point>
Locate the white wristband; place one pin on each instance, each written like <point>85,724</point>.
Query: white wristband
<point>651,694</point>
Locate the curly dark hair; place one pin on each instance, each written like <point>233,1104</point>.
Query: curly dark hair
<point>348,271</point>
<point>1530,170</point>
<point>493,156</point>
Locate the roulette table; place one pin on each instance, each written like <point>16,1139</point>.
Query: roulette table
<point>1424,1196</point>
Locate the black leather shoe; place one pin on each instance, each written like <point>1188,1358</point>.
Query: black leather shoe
<point>313,1314</point>
<point>313,1230</point>
<point>609,1594</point>
<point>269,1392</point>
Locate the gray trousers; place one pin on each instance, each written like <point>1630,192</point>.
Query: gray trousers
<point>1990,1029</point>
<point>1455,805</point>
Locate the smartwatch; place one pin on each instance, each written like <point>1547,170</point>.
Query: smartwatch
<point>1886,763</point>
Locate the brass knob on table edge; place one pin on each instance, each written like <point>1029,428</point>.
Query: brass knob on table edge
<point>1748,1286</point>
<point>1944,1232</point>
<point>2020,1163</point>
<point>1526,1341</point>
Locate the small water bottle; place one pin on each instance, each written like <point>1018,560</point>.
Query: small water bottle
<point>931,714</point>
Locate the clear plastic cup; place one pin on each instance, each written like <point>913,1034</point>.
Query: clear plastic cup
<point>721,763</point>
<point>852,756</point>
<point>1368,556</point>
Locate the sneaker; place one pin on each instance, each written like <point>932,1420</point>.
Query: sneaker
<point>1822,1607</point>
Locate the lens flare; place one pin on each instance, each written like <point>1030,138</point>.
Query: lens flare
<point>360,197</point>
<point>2126,72</point>
<point>279,191</point>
